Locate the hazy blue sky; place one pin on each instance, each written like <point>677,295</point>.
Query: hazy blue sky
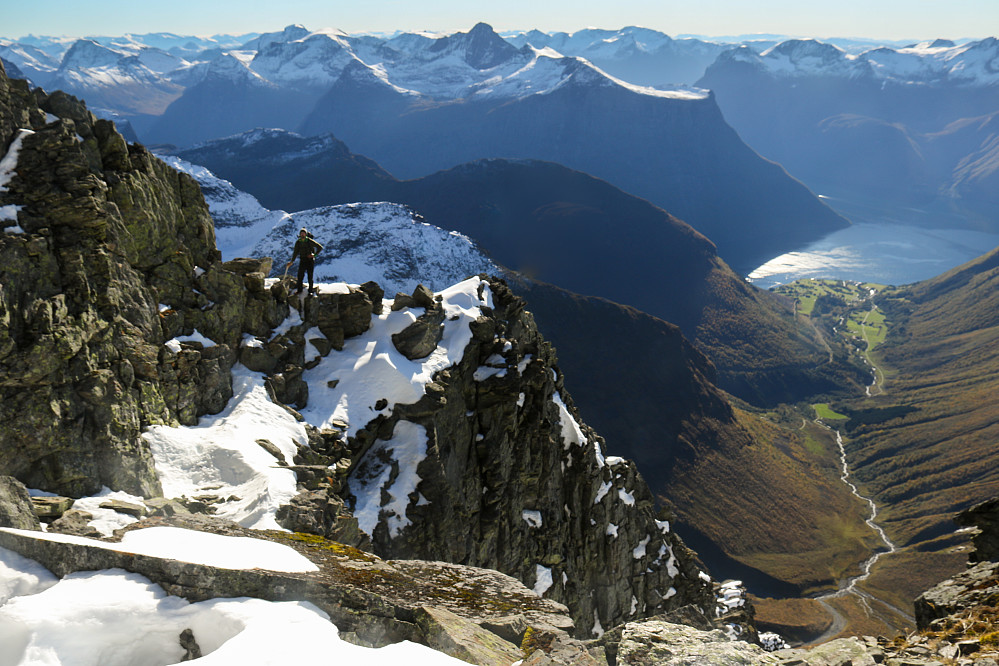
<point>885,19</point>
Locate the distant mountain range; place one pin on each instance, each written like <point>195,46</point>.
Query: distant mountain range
<point>909,132</point>
<point>418,104</point>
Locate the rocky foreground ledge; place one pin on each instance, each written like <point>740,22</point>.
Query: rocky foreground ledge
<point>478,615</point>
<point>485,617</point>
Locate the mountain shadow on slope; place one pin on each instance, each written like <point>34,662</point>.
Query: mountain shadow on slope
<point>566,228</point>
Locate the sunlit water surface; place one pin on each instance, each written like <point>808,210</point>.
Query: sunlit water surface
<point>882,253</point>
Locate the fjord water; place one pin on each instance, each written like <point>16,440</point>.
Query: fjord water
<point>892,254</point>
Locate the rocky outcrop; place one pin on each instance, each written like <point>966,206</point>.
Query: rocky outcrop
<point>110,256</point>
<point>658,643</point>
<point>513,480</point>
<point>985,517</point>
<point>372,601</point>
<point>16,509</point>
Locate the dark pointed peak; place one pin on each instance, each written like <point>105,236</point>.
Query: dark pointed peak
<point>480,47</point>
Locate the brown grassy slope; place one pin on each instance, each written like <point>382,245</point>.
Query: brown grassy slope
<point>774,502</point>
<point>940,454</point>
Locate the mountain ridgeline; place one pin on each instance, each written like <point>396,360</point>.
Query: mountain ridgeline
<point>907,134</point>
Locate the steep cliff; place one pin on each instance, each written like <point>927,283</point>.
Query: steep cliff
<point>106,254</point>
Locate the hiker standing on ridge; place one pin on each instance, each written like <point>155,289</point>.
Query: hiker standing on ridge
<point>306,249</point>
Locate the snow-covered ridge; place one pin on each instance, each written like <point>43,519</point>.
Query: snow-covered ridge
<point>385,242</point>
<point>971,64</point>
<point>442,68</point>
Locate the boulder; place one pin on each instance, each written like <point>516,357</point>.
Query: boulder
<point>463,639</point>
<point>420,338</point>
<point>248,265</point>
<point>76,523</point>
<point>16,508</point>
<point>127,508</point>
<point>658,643</point>
<point>51,507</point>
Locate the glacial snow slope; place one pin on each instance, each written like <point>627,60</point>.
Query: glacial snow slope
<point>384,242</point>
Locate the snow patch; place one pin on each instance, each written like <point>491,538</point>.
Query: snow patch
<point>543,579</point>
<point>389,469</point>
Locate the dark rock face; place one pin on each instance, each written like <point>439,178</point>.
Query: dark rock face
<point>509,484</point>
<point>15,506</point>
<point>975,587</point>
<point>985,517</point>
<point>117,258</point>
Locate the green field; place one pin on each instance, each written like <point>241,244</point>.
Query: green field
<point>824,411</point>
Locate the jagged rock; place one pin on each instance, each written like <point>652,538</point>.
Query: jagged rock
<point>420,339</point>
<point>117,258</point>
<point>985,517</point>
<point>51,507</point>
<point>510,628</point>
<point>556,648</point>
<point>77,523</point>
<point>978,586</point>
<point>525,452</point>
<point>322,513</point>
<point>402,301</point>
<point>840,652</point>
<point>662,644</point>
<point>463,639</point>
<point>190,645</point>
<point>16,508</point>
<point>268,446</point>
<point>375,294</point>
<point>248,265</point>
<point>288,387</point>
<point>341,316</point>
<point>127,508</point>
<point>161,507</point>
<point>423,297</point>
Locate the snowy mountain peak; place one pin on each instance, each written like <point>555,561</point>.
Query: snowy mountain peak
<point>230,67</point>
<point>316,59</point>
<point>289,34</point>
<point>800,50</point>
<point>86,53</point>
